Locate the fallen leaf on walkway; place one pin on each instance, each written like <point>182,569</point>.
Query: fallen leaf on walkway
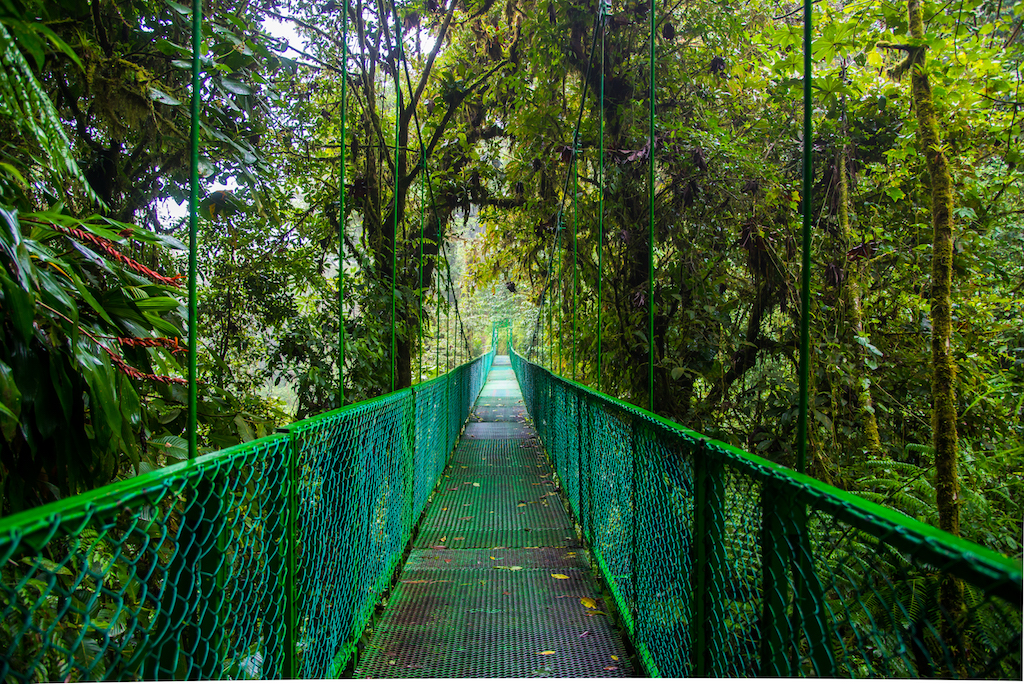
<point>592,613</point>
<point>476,484</point>
<point>512,568</point>
<point>615,658</point>
<point>459,539</point>
<point>414,581</point>
<point>587,633</point>
<point>611,668</point>
<point>546,653</point>
<point>444,539</point>
<point>588,602</point>
<point>467,518</point>
<point>520,505</point>
<point>559,577</point>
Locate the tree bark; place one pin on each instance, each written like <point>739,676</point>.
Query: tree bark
<point>944,412</point>
<point>852,299</point>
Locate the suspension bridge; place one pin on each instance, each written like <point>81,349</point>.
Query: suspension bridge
<point>498,520</point>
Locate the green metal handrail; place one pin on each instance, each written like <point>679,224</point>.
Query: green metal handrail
<point>722,563</point>
<point>264,560</point>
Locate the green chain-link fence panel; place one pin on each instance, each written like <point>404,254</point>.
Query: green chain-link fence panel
<point>257,562</point>
<point>725,564</point>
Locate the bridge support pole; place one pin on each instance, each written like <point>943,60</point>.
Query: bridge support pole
<point>213,572</point>
<point>279,641</point>
<point>794,624</point>
<point>776,531</point>
<point>709,572</point>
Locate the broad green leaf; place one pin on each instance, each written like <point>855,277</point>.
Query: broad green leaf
<point>181,9</point>
<point>20,307</point>
<point>173,446</point>
<point>235,87</point>
<point>10,402</point>
<point>163,98</point>
<point>245,432</point>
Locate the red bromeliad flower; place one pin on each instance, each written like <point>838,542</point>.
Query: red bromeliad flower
<point>108,248</point>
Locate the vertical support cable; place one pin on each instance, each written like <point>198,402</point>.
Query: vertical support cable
<point>805,261</point>
<point>600,203</point>
<point>437,313</point>
<point>193,224</point>
<point>341,209</point>
<point>394,192</point>
<point>419,301</point>
<point>551,320</point>
<point>650,230</point>
<point>447,327</point>
<point>561,294</point>
<point>575,270</point>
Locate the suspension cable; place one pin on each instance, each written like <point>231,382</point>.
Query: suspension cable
<point>565,185</point>
<point>575,257</point>
<point>394,192</point>
<point>430,189</point>
<point>419,301</point>
<point>650,228</point>
<point>341,209</point>
<point>600,201</point>
<point>805,260</point>
<point>193,224</point>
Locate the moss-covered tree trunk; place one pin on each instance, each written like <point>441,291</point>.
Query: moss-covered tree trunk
<point>854,311</point>
<point>944,413</point>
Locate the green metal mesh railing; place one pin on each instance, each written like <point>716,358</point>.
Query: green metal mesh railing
<point>725,564</point>
<point>261,561</point>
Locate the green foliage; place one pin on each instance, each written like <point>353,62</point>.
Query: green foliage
<point>86,329</point>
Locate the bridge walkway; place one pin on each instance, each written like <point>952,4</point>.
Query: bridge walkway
<point>497,584</point>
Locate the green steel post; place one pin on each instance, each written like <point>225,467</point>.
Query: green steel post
<point>341,210</point>
<point>291,662</point>
<point>409,466</point>
<point>394,227</point>
<point>212,579</point>
<point>805,261</point>
<point>437,316</point>
<point>634,505</point>
<point>575,271</point>
<point>175,630</point>
<point>600,208</point>
<point>279,630</point>
<point>448,334</point>
<point>551,332</point>
<point>812,609</point>
<point>776,634</point>
<point>193,226</point>
<point>177,612</point>
<point>561,300</point>
<point>423,220</point>
<point>709,575</point>
<point>650,229</point>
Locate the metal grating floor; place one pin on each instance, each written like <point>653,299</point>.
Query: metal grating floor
<point>479,596</point>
